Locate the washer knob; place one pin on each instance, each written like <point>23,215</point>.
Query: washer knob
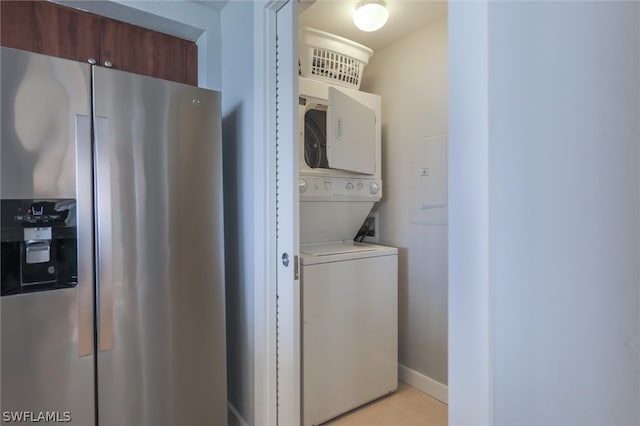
<point>302,185</point>
<point>374,187</point>
<point>349,186</point>
<point>327,185</point>
<point>360,185</point>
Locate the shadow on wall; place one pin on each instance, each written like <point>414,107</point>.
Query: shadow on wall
<point>403,299</point>
<point>231,167</point>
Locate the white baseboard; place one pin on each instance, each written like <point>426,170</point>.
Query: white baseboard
<point>424,383</point>
<point>235,419</point>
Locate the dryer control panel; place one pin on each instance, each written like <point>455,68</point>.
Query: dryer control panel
<point>334,188</point>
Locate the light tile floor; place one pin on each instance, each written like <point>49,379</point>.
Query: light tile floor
<point>405,407</point>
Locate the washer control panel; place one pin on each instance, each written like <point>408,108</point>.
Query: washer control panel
<point>312,186</point>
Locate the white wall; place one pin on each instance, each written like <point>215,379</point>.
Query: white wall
<point>238,140</point>
<point>565,212</point>
<point>411,77</point>
<point>563,98</point>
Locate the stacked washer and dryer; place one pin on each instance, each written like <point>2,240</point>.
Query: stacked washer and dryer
<point>348,288</point>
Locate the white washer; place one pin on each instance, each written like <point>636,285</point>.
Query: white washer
<point>349,329</point>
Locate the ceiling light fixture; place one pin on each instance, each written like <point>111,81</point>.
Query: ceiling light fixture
<point>370,15</point>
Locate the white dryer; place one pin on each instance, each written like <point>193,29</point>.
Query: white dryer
<point>340,160</point>
<point>350,327</point>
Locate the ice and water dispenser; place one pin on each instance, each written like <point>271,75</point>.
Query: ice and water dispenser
<point>39,248</point>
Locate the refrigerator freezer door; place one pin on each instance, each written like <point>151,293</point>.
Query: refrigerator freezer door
<point>161,357</point>
<point>47,336</point>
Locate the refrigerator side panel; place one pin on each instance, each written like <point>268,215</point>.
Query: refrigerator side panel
<point>161,334</point>
<point>47,364</point>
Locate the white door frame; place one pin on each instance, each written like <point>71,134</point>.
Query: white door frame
<point>288,223</point>
<point>470,243</point>
<point>277,357</point>
<point>470,340</point>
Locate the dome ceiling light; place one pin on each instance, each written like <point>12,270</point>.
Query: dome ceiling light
<point>370,15</point>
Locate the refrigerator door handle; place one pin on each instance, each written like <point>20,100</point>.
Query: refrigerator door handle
<point>84,217</point>
<point>103,224</point>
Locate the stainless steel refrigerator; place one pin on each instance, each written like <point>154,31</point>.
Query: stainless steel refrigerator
<point>112,306</point>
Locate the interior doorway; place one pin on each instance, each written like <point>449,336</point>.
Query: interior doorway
<point>410,73</point>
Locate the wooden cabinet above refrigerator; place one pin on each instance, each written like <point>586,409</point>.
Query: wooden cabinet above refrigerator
<point>56,30</point>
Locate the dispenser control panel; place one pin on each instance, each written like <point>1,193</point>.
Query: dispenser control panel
<point>39,245</point>
<point>25,213</point>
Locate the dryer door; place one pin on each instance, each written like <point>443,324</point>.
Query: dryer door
<point>351,134</point>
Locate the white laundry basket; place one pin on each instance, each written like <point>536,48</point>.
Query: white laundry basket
<point>332,59</point>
